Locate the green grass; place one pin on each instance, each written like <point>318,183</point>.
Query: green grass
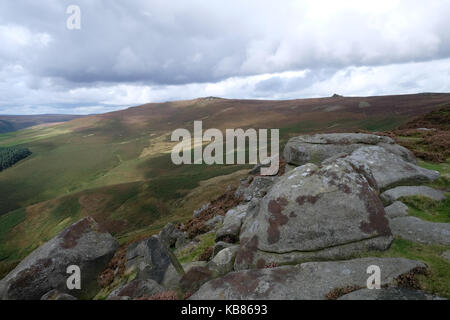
<point>438,282</point>
<point>189,254</point>
<point>428,209</point>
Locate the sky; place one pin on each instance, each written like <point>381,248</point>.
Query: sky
<point>131,52</point>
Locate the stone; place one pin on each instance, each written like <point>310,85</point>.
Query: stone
<point>172,278</point>
<point>394,194</point>
<point>446,255</point>
<point>151,259</point>
<point>388,169</point>
<point>56,295</point>
<point>137,289</point>
<point>83,244</point>
<point>258,187</point>
<point>214,221</point>
<point>223,262</point>
<point>307,281</point>
<point>170,235</point>
<point>397,209</point>
<point>391,293</point>
<point>201,209</point>
<point>232,224</point>
<point>219,246</point>
<point>331,212</point>
<point>417,230</point>
<point>319,147</point>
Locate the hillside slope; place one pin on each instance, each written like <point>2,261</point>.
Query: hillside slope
<point>117,167</point>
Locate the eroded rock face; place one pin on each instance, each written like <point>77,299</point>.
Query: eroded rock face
<point>316,148</point>
<point>312,213</point>
<point>388,169</point>
<point>394,194</point>
<point>83,244</point>
<point>307,281</point>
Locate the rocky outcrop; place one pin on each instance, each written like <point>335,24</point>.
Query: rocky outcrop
<point>319,147</point>
<point>394,194</point>
<point>307,281</point>
<point>396,210</point>
<point>82,244</point>
<point>313,213</point>
<point>417,230</point>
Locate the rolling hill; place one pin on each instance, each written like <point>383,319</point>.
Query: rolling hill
<point>116,166</point>
<point>10,123</point>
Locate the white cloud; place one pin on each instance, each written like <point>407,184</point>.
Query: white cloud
<point>142,51</point>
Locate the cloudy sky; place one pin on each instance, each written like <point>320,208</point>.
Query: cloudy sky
<point>130,52</point>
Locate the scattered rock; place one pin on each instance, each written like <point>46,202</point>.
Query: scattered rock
<point>417,230</point>
<point>137,289</point>
<point>232,224</point>
<point>391,293</point>
<point>394,194</point>
<point>311,280</point>
<point>56,295</point>
<point>313,213</point>
<point>388,169</point>
<point>397,209</point>
<point>83,244</point>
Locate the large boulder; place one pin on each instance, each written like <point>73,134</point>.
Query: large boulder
<point>417,230</point>
<point>319,147</point>
<point>394,194</point>
<point>388,169</point>
<point>307,281</point>
<point>331,212</point>
<point>83,244</point>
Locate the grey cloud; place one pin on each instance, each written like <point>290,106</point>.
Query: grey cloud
<point>159,46</point>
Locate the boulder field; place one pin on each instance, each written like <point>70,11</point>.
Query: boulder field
<point>306,233</point>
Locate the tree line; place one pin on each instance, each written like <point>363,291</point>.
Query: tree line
<point>11,155</point>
